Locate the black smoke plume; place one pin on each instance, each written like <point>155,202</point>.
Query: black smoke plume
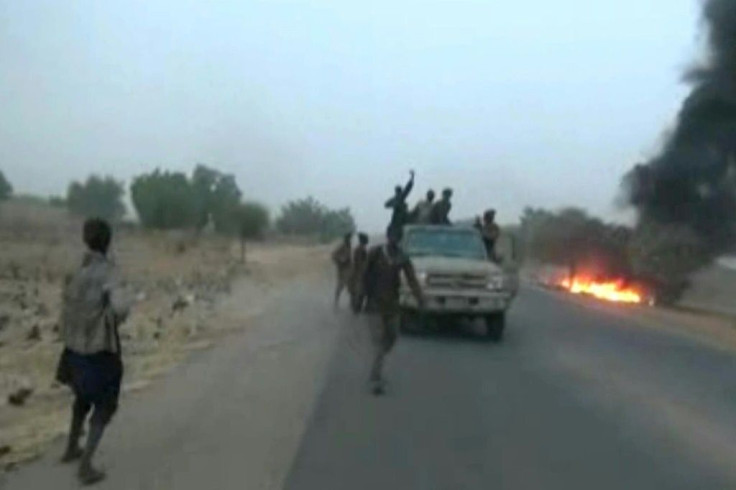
<point>691,184</point>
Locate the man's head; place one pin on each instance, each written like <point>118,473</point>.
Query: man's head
<point>398,190</point>
<point>348,238</point>
<point>363,239</point>
<point>97,235</point>
<point>430,195</point>
<point>489,216</point>
<point>447,194</point>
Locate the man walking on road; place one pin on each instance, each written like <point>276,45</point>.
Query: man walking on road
<point>397,203</point>
<point>341,257</point>
<point>91,364</point>
<point>360,260</point>
<point>382,282</point>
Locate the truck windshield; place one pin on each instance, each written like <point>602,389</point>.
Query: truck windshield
<point>449,242</point>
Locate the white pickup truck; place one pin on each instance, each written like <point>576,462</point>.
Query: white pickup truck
<point>457,277</point>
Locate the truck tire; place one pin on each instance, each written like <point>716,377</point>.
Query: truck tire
<point>495,325</point>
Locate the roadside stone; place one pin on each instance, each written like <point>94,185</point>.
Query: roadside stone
<point>182,302</point>
<point>18,398</point>
<point>34,334</point>
<point>42,310</point>
<point>4,321</point>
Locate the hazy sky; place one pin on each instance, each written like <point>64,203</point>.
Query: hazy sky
<point>511,103</point>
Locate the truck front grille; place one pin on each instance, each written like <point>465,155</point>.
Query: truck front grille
<point>457,281</point>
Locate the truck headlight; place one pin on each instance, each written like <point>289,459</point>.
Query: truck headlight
<point>495,283</point>
<point>422,278</point>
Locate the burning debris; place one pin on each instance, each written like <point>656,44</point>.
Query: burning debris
<point>616,291</point>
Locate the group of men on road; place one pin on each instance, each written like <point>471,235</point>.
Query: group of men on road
<point>373,277</point>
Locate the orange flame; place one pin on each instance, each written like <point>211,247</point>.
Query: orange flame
<point>615,291</point>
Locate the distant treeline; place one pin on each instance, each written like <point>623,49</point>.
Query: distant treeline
<point>206,199</point>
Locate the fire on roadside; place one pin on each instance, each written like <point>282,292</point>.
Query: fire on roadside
<point>616,291</point>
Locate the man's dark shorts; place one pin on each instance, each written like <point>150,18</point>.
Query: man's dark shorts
<point>95,379</point>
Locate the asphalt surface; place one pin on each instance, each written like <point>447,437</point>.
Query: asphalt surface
<point>574,398</point>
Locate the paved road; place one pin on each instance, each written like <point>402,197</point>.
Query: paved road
<point>575,398</point>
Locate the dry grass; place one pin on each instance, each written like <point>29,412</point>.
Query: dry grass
<point>41,245</point>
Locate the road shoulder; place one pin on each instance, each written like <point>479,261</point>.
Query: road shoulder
<point>231,417</point>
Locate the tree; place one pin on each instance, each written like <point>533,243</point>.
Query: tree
<point>57,202</point>
<point>311,218</point>
<point>217,199</point>
<point>171,200</point>
<point>203,183</point>
<point>225,204</point>
<point>164,200</point>
<point>252,220</point>
<point>301,217</point>
<point>6,190</point>
<point>100,197</point>
<point>337,223</point>
<point>572,239</point>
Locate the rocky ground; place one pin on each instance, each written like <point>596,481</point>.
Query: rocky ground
<point>181,287</point>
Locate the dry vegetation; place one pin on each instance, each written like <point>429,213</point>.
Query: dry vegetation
<point>179,282</point>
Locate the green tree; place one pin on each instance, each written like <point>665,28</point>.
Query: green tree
<point>572,239</point>
<point>252,220</point>
<point>217,198</point>
<point>301,217</point>
<point>164,200</point>
<point>57,201</point>
<point>337,223</point>
<point>204,180</point>
<point>225,205</point>
<point>311,218</point>
<point>97,197</point>
<point>6,190</point>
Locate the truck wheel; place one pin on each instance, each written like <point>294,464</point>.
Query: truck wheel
<point>495,325</point>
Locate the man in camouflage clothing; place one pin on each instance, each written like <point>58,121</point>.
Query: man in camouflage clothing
<point>441,209</point>
<point>360,260</point>
<point>400,210</point>
<point>422,214</point>
<point>490,232</point>
<point>385,265</point>
<point>341,257</point>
